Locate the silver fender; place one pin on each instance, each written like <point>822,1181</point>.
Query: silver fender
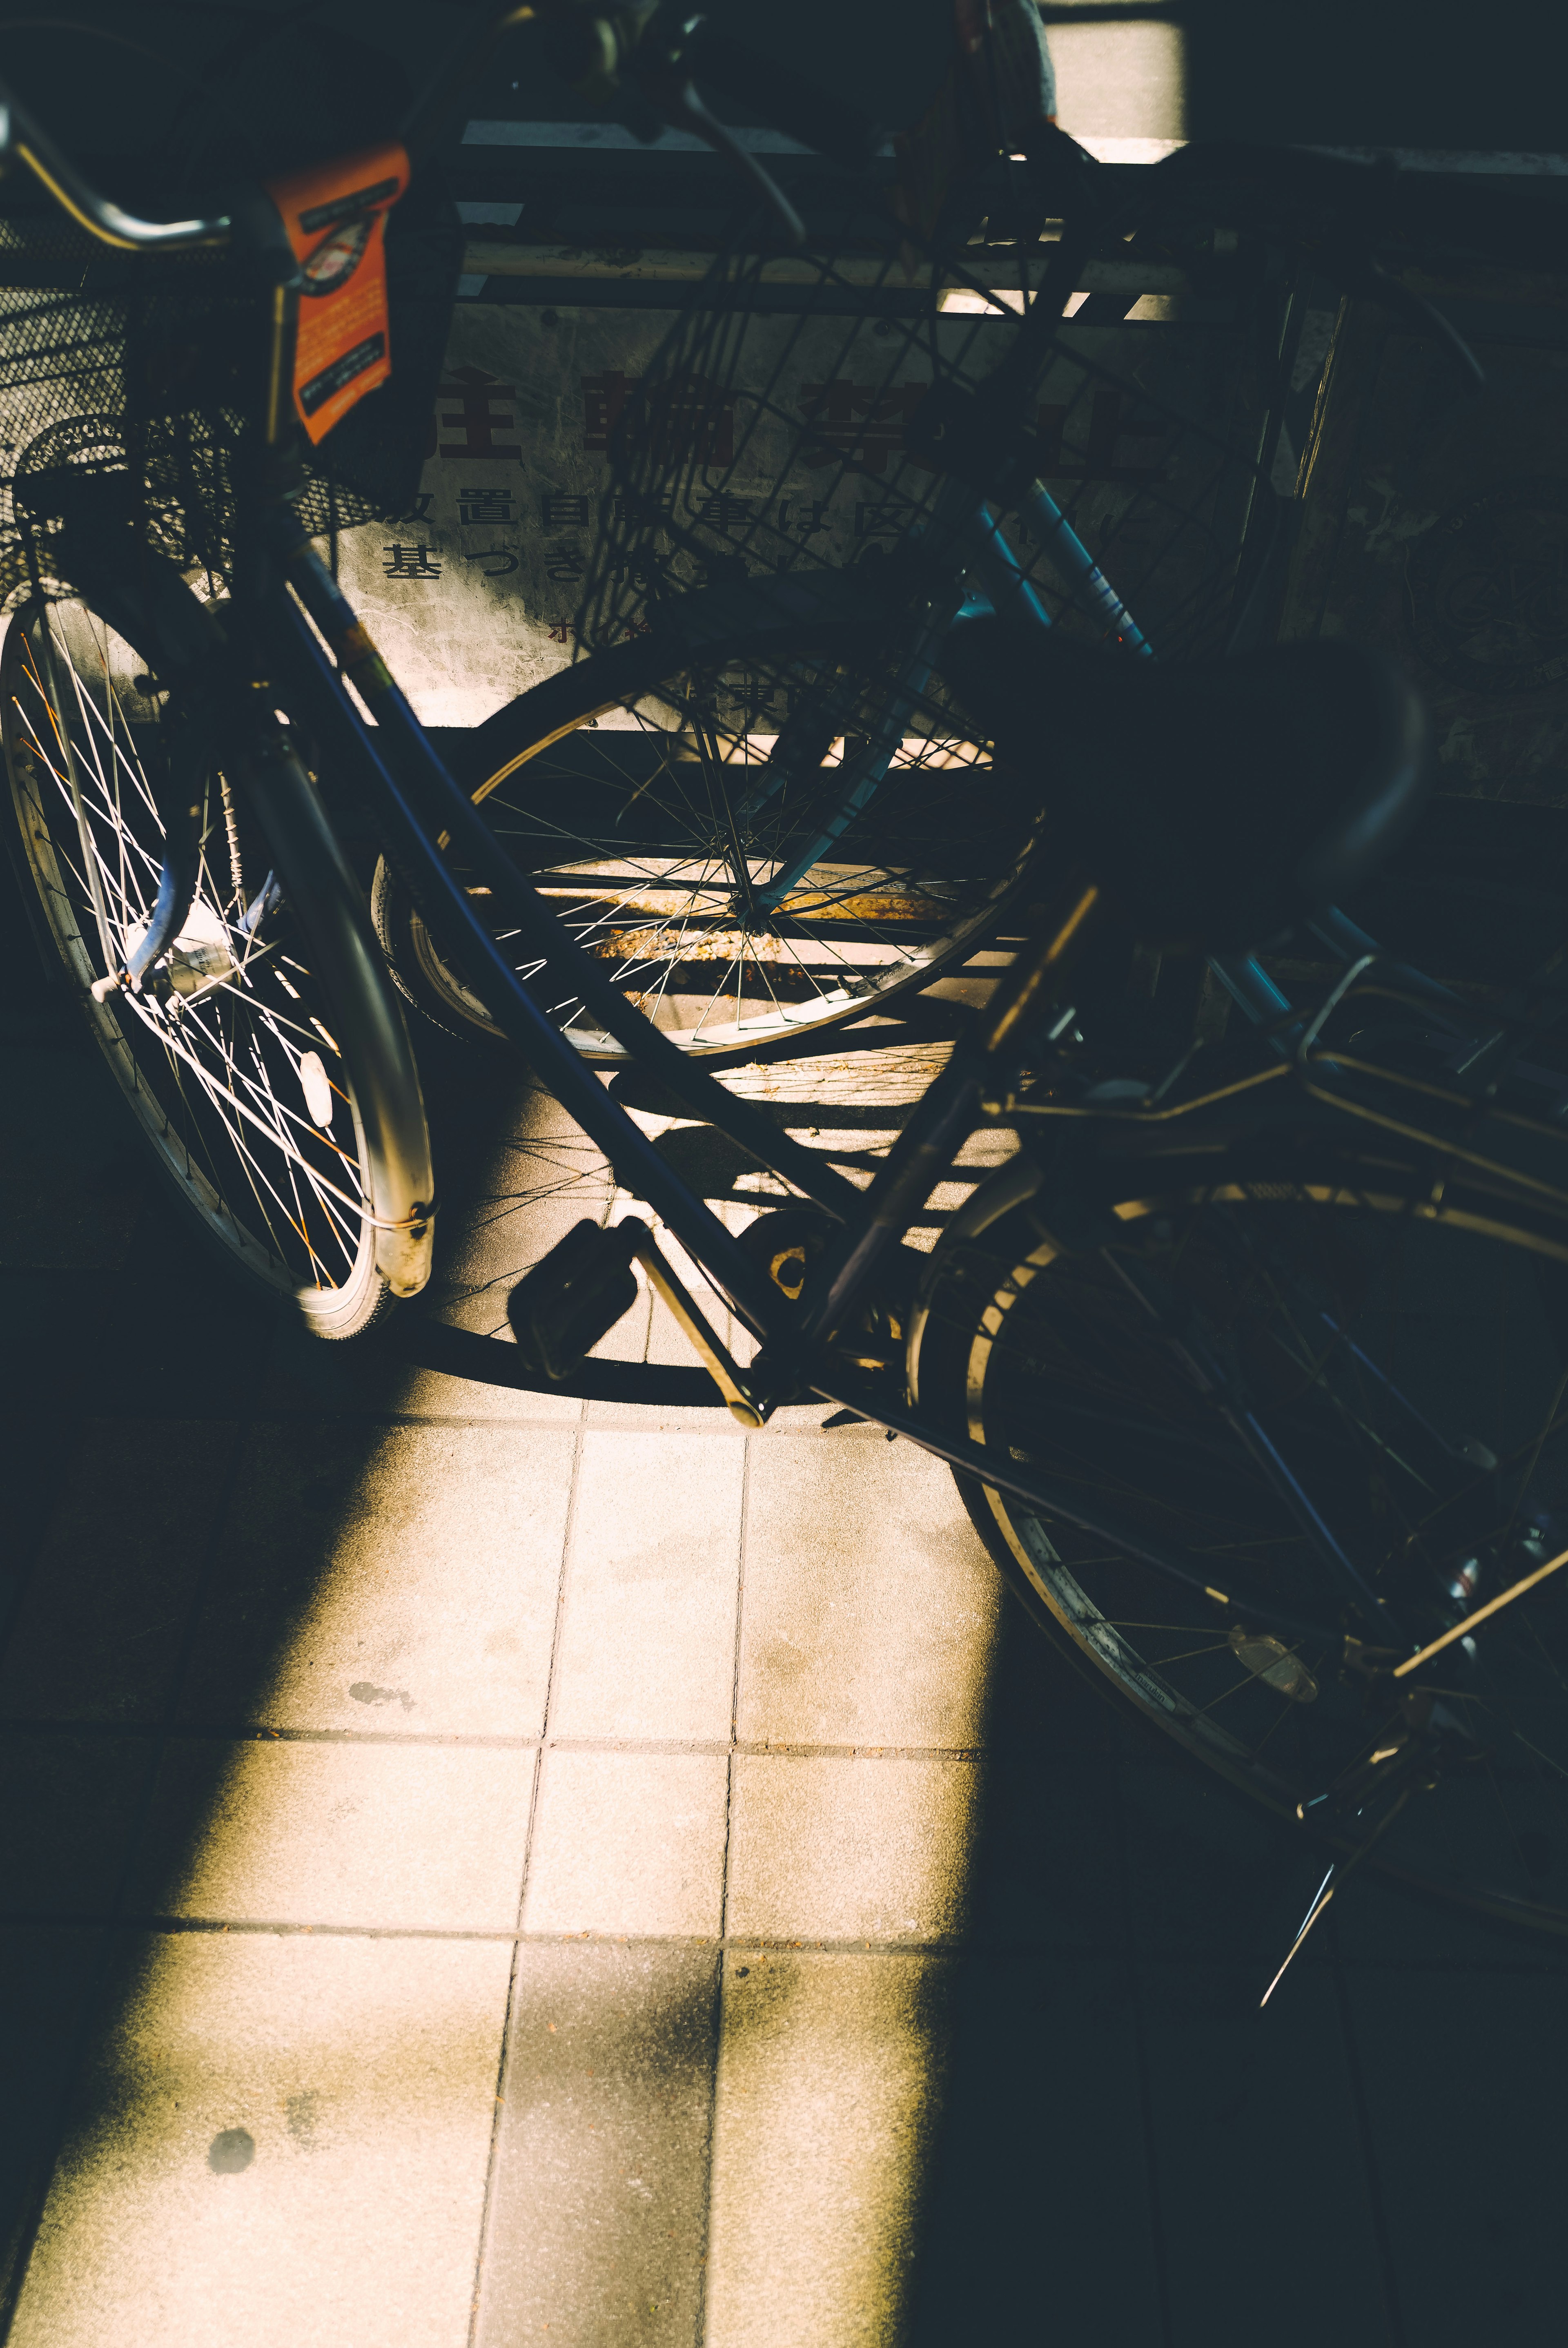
<point>389,1107</point>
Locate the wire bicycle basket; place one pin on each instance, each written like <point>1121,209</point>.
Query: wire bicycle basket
<point>757,441</point>
<point>125,382</point>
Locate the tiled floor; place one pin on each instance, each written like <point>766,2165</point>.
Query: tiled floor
<point>483,1868</point>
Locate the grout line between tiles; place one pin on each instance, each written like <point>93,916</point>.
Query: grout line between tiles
<point>254,1733</point>
<point>749,1941</point>
<point>983,1948</point>
<point>743,1531</point>
<point>734,1746</point>
<point>1133,1958</point>
<point>709,1420</point>
<point>1388,2272</point>
<point>569,1532</point>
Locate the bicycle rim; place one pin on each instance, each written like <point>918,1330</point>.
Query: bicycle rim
<point>1412,1368</point>
<point>228,1056</point>
<point>638,815</point>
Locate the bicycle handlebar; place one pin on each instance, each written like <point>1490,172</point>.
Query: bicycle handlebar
<point>25,141</point>
<point>1364,197</point>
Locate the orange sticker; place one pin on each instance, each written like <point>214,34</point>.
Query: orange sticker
<point>336,219</point>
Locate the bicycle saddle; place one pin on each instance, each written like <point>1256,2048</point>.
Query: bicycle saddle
<point>1220,803</point>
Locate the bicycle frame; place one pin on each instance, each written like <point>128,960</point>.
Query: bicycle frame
<point>291,622</point>
<point>301,635</point>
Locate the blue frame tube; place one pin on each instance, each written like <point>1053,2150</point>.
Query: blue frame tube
<point>1065,545</point>
<point>1247,982</point>
<point>1010,591</point>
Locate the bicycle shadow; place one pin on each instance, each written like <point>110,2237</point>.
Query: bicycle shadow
<point>1130,2150</point>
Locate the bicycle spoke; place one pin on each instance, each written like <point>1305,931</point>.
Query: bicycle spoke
<point>1388,1418</point>
<point>213,1049</point>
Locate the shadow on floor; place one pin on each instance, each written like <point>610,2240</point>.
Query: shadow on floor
<point>1133,2153</point>
<point>1130,2152</point>
<point>134,1373</point>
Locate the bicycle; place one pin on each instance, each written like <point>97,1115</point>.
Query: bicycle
<point>1209,1268</point>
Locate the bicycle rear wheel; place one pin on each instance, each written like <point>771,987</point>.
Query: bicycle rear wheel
<point>281,1106</point>
<point>1407,1354</point>
<point>632,790</point>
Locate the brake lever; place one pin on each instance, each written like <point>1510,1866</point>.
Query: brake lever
<point>678,103</point>
<point>639,57</point>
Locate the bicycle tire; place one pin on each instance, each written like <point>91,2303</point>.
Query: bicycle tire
<point>280,1105</point>
<point>996,1352</point>
<point>863,933</point>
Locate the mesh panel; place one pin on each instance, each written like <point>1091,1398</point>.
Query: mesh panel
<point>758,441</point>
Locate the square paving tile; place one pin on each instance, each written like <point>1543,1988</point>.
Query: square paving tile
<point>1471,2065</point>
<point>72,1173</point>
<point>648,1632</point>
<point>98,1632</point>
<point>850,1849</point>
<point>628,1842</point>
<point>829,2089</point>
<point>1049,1866</point>
<point>284,2139</point>
<point>870,1606</point>
<point>72,1808</point>
<point>392,1835</point>
<point>599,2204</point>
<point>48,1974</point>
<point>1264,2101</point>
<point>197,1334</point>
<point>1209,1873</point>
<point>1037,2223</point>
<point>37,1456</point>
<point>52,1324</point>
<point>402,1577</point>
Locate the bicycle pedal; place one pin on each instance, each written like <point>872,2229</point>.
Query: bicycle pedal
<point>574,1296</point>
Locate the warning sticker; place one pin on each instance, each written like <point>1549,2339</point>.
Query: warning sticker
<point>336,216</point>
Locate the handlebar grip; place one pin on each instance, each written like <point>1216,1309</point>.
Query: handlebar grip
<point>792,105</point>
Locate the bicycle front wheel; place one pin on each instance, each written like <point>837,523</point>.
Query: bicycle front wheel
<point>639,791</point>
<point>262,1057</point>
<point>1403,1348</point>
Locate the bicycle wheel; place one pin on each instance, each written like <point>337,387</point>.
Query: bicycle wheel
<point>1406,1351</point>
<point>630,789</point>
<point>283,1109</point>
